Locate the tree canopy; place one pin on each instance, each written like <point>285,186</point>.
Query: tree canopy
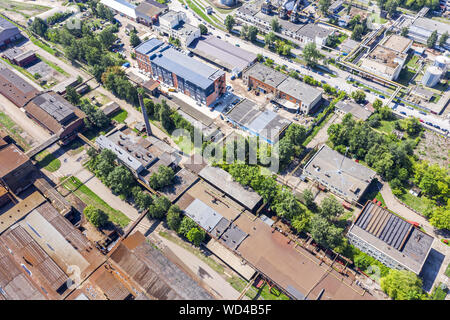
<point>95,216</point>
<point>402,285</point>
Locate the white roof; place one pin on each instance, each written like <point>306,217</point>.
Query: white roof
<point>121,6</point>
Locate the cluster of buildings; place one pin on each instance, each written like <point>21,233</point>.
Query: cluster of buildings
<point>284,90</point>
<point>420,29</point>
<point>50,110</point>
<point>187,75</point>
<point>260,14</point>
<point>387,59</point>
<point>147,12</point>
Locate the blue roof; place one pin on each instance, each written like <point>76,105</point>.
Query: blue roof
<point>187,68</point>
<point>149,46</point>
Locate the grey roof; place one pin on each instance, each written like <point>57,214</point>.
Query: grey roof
<point>312,31</point>
<point>395,237</point>
<point>12,53</point>
<point>224,182</point>
<point>149,46</point>
<point>233,236</point>
<point>348,45</point>
<point>182,65</point>
<point>60,109</point>
<point>265,74</point>
<point>222,52</point>
<point>355,109</point>
<point>5,24</point>
<point>130,161</point>
<point>266,124</point>
<point>203,215</point>
<point>300,90</point>
<point>151,8</point>
<point>336,4</point>
<point>431,25</point>
<point>339,173</point>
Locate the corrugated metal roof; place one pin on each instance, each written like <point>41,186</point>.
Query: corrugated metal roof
<point>203,215</point>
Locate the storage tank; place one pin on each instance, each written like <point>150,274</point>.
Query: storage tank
<point>229,3</point>
<point>432,76</point>
<point>442,62</point>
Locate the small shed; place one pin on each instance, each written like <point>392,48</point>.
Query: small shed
<point>415,191</point>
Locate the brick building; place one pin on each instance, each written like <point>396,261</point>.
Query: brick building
<point>16,169</point>
<point>194,78</point>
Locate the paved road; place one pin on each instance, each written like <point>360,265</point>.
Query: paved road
<point>209,276</point>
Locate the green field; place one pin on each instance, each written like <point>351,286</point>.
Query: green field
<point>25,9</point>
<point>90,198</point>
<point>414,202</point>
<point>121,116</point>
<point>254,293</point>
<point>48,161</point>
<point>13,130</point>
<point>447,271</point>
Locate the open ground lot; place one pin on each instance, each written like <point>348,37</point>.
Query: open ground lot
<point>434,148</point>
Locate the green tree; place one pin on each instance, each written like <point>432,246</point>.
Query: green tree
<point>377,104</point>
<point>324,5</point>
<point>39,27</point>
<point>260,57</point>
<point>296,134</point>
<point>431,41</point>
<point>308,198</point>
<point>174,217</point>
<point>159,207</point>
<point>134,39</point>
<point>119,180</point>
<point>330,208</point>
<point>402,285</point>
<point>162,178</point>
<point>359,96</point>
<point>72,96</point>
<point>196,236</point>
<point>443,39</point>
<point>203,29</point>
<point>229,22</point>
<point>441,218</point>
<point>186,225</point>
<point>164,116</point>
<point>391,7</point>
<point>275,25</point>
<point>142,200</point>
<point>252,33</point>
<point>325,233</point>
<point>95,216</point>
<point>357,33</point>
<point>404,32</point>
<point>270,38</point>
<point>107,38</point>
<point>311,54</point>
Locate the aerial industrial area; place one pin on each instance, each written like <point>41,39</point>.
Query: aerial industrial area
<point>224,150</point>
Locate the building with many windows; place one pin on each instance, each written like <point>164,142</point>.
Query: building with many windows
<point>192,77</point>
<point>388,238</point>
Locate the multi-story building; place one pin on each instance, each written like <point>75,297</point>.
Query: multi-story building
<point>192,77</point>
<point>384,62</point>
<point>289,92</point>
<point>388,238</point>
<point>174,24</point>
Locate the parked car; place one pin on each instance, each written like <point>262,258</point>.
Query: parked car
<point>219,37</point>
<point>424,113</point>
<point>436,126</point>
<point>429,123</point>
<point>382,97</point>
<point>403,113</point>
<point>237,45</point>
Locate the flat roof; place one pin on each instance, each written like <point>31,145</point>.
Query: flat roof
<point>121,6</point>
<point>151,8</point>
<point>345,175</point>
<point>129,160</point>
<point>313,30</point>
<point>149,46</point>
<point>221,52</point>
<point>224,182</point>
<point>397,43</point>
<point>194,71</point>
<point>265,74</point>
<point>385,56</point>
<point>355,109</point>
<point>299,90</point>
<point>393,236</point>
<point>182,181</point>
<point>431,25</point>
<point>266,123</point>
<point>205,216</point>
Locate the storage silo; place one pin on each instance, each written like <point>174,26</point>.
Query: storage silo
<point>442,62</point>
<point>228,3</point>
<point>432,76</point>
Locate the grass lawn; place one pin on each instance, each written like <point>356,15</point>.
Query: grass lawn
<point>195,251</point>
<point>414,202</point>
<point>48,161</point>
<point>412,63</point>
<point>386,126</point>
<point>377,19</point>
<point>438,293</point>
<point>13,130</point>
<point>27,10</point>
<point>90,198</point>
<point>121,116</point>
<point>254,293</point>
<point>447,271</point>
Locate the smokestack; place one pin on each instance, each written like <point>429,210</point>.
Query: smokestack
<point>145,115</point>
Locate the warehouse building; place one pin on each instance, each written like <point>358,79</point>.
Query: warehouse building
<point>393,241</point>
<point>16,170</point>
<point>8,33</point>
<point>359,112</point>
<point>19,57</point>
<point>222,53</point>
<point>148,11</point>
<point>57,115</point>
<point>266,124</point>
<point>15,88</point>
<point>195,79</point>
<point>341,175</point>
<point>420,29</point>
<point>121,7</point>
<point>289,92</point>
